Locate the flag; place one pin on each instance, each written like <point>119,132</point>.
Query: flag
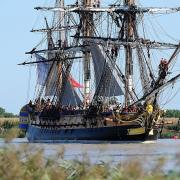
<point>74,83</point>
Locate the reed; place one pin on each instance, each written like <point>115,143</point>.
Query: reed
<point>9,128</point>
<point>27,162</point>
<point>9,121</point>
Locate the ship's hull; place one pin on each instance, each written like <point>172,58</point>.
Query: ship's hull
<point>76,127</point>
<point>114,133</point>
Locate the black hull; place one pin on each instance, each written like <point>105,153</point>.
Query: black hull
<point>114,133</point>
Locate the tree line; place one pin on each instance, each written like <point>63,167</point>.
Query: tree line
<point>172,113</point>
<point>5,114</point>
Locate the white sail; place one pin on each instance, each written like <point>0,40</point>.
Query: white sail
<point>51,81</point>
<point>99,61</point>
<point>42,70</point>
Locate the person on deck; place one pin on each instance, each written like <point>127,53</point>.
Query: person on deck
<point>37,105</point>
<point>77,4</point>
<point>112,52</point>
<point>59,43</point>
<point>125,110</point>
<point>30,107</point>
<point>116,51</point>
<point>94,4</point>
<point>42,104</point>
<point>65,44</point>
<point>48,103</point>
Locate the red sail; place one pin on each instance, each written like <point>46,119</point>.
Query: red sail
<point>74,83</point>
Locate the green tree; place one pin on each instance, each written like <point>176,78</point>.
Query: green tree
<point>172,113</point>
<point>3,113</point>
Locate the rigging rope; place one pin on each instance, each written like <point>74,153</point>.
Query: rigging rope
<point>29,85</point>
<point>171,98</point>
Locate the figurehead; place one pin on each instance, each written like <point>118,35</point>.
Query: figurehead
<point>149,108</point>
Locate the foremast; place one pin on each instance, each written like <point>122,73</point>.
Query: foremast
<point>62,41</point>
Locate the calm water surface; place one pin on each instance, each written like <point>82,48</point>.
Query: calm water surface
<point>148,152</point>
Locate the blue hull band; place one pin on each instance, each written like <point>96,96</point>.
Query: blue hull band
<point>24,114</point>
<point>116,133</point>
<point>23,126</point>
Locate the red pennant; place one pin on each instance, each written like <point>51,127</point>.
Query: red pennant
<point>74,83</point>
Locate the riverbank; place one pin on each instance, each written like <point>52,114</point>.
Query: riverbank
<point>169,133</point>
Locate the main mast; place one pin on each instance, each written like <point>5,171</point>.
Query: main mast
<point>129,33</point>
<point>61,20</point>
<point>87,22</point>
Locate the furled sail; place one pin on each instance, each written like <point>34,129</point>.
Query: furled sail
<point>99,62</point>
<point>42,70</point>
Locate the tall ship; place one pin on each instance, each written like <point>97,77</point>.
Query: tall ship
<point>97,76</point>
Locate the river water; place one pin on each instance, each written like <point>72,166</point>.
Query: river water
<point>148,152</point>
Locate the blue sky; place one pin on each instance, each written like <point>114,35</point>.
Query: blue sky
<point>17,17</point>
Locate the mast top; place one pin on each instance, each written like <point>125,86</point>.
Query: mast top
<point>110,9</point>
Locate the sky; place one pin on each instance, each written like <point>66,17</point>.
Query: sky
<point>17,18</point>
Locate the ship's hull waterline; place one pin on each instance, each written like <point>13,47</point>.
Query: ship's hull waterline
<point>114,133</point>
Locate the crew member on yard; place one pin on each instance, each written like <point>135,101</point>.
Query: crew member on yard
<point>116,51</point>
<point>76,3</point>
<point>163,68</point>
<point>98,3</point>
<point>112,52</point>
